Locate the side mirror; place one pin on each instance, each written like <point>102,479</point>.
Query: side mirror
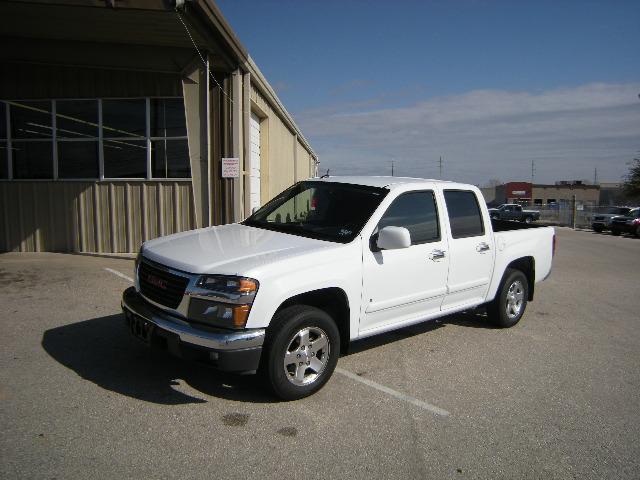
<point>254,210</point>
<point>392,238</point>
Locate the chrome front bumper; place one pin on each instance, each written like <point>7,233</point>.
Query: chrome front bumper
<point>218,340</point>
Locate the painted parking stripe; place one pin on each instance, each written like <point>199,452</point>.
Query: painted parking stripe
<point>370,383</point>
<point>394,393</point>
<point>119,274</point>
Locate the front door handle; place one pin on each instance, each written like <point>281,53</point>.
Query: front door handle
<point>436,255</point>
<point>482,247</point>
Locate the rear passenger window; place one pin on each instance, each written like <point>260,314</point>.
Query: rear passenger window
<point>415,211</point>
<point>464,214</point>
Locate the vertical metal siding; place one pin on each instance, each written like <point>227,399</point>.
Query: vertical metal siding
<point>102,217</point>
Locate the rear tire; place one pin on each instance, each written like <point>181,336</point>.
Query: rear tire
<point>511,300</point>
<point>301,351</point>
<point>528,220</point>
<point>598,229</point>
<point>615,231</point>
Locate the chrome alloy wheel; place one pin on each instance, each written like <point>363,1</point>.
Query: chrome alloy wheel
<point>306,356</point>
<point>515,298</point>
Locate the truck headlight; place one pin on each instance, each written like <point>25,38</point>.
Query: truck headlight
<point>222,301</point>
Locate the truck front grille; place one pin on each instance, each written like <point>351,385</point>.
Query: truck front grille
<point>160,285</point>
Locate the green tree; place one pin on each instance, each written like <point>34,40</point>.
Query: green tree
<point>632,180</point>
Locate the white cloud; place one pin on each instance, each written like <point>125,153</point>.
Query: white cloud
<point>485,134</point>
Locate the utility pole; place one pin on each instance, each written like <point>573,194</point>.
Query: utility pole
<point>595,176</point>
<point>533,170</point>
<point>440,167</point>
<point>392,162</point>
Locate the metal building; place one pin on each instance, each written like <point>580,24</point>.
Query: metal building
<point>115,117</point>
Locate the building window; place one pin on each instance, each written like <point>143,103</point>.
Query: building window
<point>125,158</point>
<point>537,201</point>
<point>124,118</point>
<point>31,134</point>
<point>32,160</point>
<point>168,130</point>
<point>94,139</point>
<point>77,136</point>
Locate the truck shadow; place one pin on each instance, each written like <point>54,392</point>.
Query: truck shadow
<point>472,319</point>
<point>102,351</point>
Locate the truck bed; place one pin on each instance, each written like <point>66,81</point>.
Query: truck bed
<point>506,225</point>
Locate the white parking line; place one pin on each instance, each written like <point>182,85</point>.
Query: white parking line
<point>394,393</point>
<point>119,274</point>
<point>353,376</point>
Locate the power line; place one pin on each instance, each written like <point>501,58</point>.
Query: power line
<point>202,57</point>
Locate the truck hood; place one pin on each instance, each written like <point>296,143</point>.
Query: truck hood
<point>228,249</point>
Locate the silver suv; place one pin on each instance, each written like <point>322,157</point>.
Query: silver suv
<point>602,221</point>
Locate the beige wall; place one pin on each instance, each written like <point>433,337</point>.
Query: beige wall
<point>279,148</point>
<point>109,217</point>
<point>584,194</point>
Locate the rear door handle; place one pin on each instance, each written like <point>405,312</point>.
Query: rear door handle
<point>482,247</point>
<point>436,255</point>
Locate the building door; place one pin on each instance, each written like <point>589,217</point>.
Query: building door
<point>254,162</point>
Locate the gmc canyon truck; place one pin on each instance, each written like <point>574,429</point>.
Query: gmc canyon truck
<point>327,262</point>
<point>513,211</point>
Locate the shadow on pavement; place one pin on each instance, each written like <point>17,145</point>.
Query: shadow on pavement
<point>473,319</point>
<point>102,351</point>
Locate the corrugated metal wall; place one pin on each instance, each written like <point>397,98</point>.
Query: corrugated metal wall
<point>28,81</point>
<point>102,217</point>
<point>278,153</point>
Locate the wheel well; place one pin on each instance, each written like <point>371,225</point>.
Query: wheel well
<point>331,300</point>
<point>526,265</point>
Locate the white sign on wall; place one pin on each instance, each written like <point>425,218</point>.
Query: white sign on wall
<point>230,167</point>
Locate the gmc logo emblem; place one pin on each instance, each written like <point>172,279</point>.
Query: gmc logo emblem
<point>158,282</point>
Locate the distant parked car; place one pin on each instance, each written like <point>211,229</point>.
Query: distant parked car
<point>513,211</point>
<point>602,221</point>
<point>630,223</point>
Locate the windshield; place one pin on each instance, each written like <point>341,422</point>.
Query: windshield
<point>322,210</point>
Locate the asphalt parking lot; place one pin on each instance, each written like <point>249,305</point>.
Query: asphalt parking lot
<point>557,396</point>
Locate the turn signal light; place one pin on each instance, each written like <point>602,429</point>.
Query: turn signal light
<point>240,315</point>
<point>247,286</point>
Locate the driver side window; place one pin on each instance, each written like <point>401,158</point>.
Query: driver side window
<point>417,212</point>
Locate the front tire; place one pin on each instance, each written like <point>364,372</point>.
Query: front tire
<point>511,300</point>
<point>528,220</point>
<point>615,231</point>
<point>301,351</point>
<point>598,228</point>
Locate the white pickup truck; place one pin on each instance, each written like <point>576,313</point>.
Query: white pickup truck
<point>327,262</point>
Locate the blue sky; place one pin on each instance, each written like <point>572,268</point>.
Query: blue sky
<point>489,85</point>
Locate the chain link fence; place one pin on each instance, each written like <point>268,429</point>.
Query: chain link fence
<point>563,215</point>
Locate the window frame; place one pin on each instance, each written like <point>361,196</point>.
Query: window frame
<point>435,204</point>
<point>55,138</point>
<point>482,218</point>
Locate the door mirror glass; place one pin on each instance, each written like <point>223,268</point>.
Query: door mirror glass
<point>392,238</point>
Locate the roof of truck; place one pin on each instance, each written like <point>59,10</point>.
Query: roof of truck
<point>373,181</point>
